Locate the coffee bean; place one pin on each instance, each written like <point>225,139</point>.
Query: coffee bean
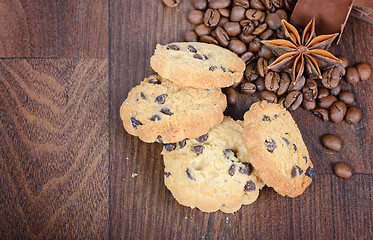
<point>329,82</point>
<point>211,17</point>
<point>265,52</point>
<point>237,46</point>
<point>202,30</point>
<point>335,91</point>
<point>166,111</point>
<point>267,34</point>
<point>259,83</point>
<point>199,4</point>
<point>253,14</point>
<point>352,75</point>
<point>190,36</point>
<point>135,122</point>
<point>237,14</point>
<point>331,142</point>
<point>322,92</point>
<point>250,186</point>
<point>195,17</point>
<point>247,57</point>
<point>308,105</point>
<point>247,26</point>
<point>255,45</point>
<point>251,72</point>
<point>256,23</point>
<point>245,168</point>
<point>203,138</point>
<point>344,62</point>
<point>310,90</point>
<point>209,39</point>
<point>161,99</point>
<point>171,3</point>
<point>282,13</point>
<point>232,96</point>
<point>155,117</point>
<point>270,145</point>
<point>269,96</point>
<point>337,112</point>
<point>347,97</point>
<point>293,100</point>
<point>327,101</point>
<point>182,143</point>
<point>224,12</point>
<point>297,86</point>
<point>261,67</point>
<point>232,169</point>
<point>353,115</point>
<point>247,88</point>
<point>284,83</point>
<point>259,30</point>
<point>173,47</point>
<point>215,4</point>
<point>241,3</point>
<point>364,70</point>
<point>280,33</point>
<point>222,21</point>
<point>257,4</point>
<point>321,113</point>
<point>169,146</point>
<point>222,36</point>
<point>198,149</point>
<point>273,20</point>
<point>271,81</point>
<point>232,28</point>
<point>342,170</point>
<point>247,38</point>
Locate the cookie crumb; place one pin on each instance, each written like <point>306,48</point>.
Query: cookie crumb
<point>134,175</point>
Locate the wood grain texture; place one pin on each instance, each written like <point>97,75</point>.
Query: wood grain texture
<point>141,206</point>
<point>54,149</point>
<point>53,28</point>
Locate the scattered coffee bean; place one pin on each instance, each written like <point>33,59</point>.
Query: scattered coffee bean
<point>364,70</point>
<point>241,3</point>
<point>255,45</point>
<point>331,142</point>
<point>211,17</point>
<point>247,38</point>
<point>257,4</point>
<point>282,13</point>
<point>202,138</point>
<point>251,72</point>
<point>273,20</point>
<point>284,83</point>
<point>260,29</point>
<point>262,67</point>
<point>281,101</point>
<point>199,4</point>
<point>322,92</point>
<point>224,12</point>
<point>259,83</point>
<point>268,96</point>
<point>169,146</point>
<point>222,36</point>
<point>190,36</point>
<point>342,170</point>
<point>247,57</point>
<point>271,81</point>
<point>237,14</point>
<point>232,28</point>
<point>195,17</point>
<point>347,97</point>
<point>293,100</point>
<point>171,3</point>
<point>335,91</point>
<point>352,75</point>
<point>328,81</point>
<point>308,105</point>
<point>198,149</point>
<point>253,14</point>
<point>298,84</point>
<point>222,21</point>
<point>237,46</point>
<point>310,90</point>
<point>353,115</point>
<point>135,122</point>
<point>337,112</point>
<point>321,113</point>
<point>202,30</point>
<point>209,39</point>
<point>264,51</point>
<point>247,88</point>
<point>344,62</point>
<point>216,4</point>
<point>232,96</point>
<point>326,102</point>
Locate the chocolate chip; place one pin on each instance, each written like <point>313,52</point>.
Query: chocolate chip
<point>229,153</point>
<point>166,111</point>
<point>305,158</point>
<point>310,172</point>
<point>189,175</point>
<point>265,118</point>
<point>192,49</point>
<point>246,169</point>
<point>156,117</point>
<point>230,70</point>
<point>161,99</point>
<point>202,138</point>
<point>135,122</point>
<point>142,96</point>
<point>285,140</point>
<point>182,143</point>
<point>232,169</point>
<point>213,68</point>
<point>173,47</point>
<point>159,139</point>
<point>250,186</point>
<point>153,81</point>
<point>198,56</point>
<point>169,146</point>
<point>271,145</point>
<point>167,174</point>
<point>295,147</point>
<point>296,171</point>
<point>205,56</point>
<point>223,68</point>
<point>198,149</point>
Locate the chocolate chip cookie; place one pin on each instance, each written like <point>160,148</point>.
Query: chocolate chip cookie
<point>162,111</point>
<point>276,149</point>
<point>212,172</point>
<point>198,65</point>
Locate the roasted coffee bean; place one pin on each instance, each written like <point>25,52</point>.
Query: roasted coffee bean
<point>166,111</point>
<point>241,3</point>
<point>331,142</point>
<point>232,96</point>
<point>161,99</point>
<point>268,96</point>
<point>222,36</point>
<point>253,14</point>
<point>321,113</point>
<point>215,4</point>
<point>237,46</point>
<point>261,66</point>
<point>267,4</point>
<point>364,70</point>
<point>310,90</point>
<point>347,97</point>
<point>257,4</point>
<point>270,145</point>
<point>273,20</point>
<point>232,28</point>
<point>224,12</point>
<point>259,83</point>
<point>308,105</point>
<point>259,30</point>
<point>344,62</point>
<point>173,47</point>
<point>182,143</point>
<point>247,57</point>
<point>251,72</point>
<point>169,146</point>
<point>209,39</point>
<point>222,21</point>
<point>282,13</point>
<point>247,26</point>
<point>271,81</point>
<point>264,52</point>
<point>199,4</point>
<point>297,86</point>
<point>337,112</point>
<point>284,83</point>
<point>255,45</point>
<point>326,102</point>
<point>171,3</point>
<point>342,170</point>
<point>211,17</point>
<point>280,33</point>
<point>135,122</point>
<point>322,92</point>
<point>293,100</point>
<point>352,75</point>
<point>245,168</point>
<point>195,17</point>
<point>190,36</point>
<point>232,169</point>
<point>278,3</point>
<point>203,138</point>
<point>256,23</point>
<point>202,30</point>
<point>353,115</point>
<point>267,34</point>
<point>335,91</point>
<point>247,38</point>
<point>329,82</point>
<point>237,14</point>
<point>250,186</point>
<point>247,88</point>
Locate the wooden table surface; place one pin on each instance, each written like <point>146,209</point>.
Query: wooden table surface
<point>67,165</point>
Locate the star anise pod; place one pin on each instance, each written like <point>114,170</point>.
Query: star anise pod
<point>302,55</point>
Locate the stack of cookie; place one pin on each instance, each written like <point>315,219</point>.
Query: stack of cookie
<point>211,161</point>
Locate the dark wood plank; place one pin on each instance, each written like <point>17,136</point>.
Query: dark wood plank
<point>76,28</point>
<point>54,149</point>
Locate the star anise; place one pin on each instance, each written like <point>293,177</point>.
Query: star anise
<point>302,55</point>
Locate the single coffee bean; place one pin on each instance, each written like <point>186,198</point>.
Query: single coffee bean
<point>264,52</point>
<point>225,12</point>
<point>232,28</point>
<point>222,36</point>
<point>267,4</point>
<point>297,85</point>
<point>347,97</point>
<point>331,77</point>
<point>199,4</point>
<point>280,33</point>
<point>202,30</point>
<point>247,38</point>
<point>310,90</point>
<point>282,13</point>
<point>253,14</point>
<point>255,45</point>
<point>190,36</point>
<point>326,102</point>
<point>257,4</point>
<point>309,105</point>
<point>331,142</point>
<point>247,57</point>
<point>289,5</point>
<point>271,81</point>
<point>342,170</point>
<point>232,96</point>
<point>352,75</point>
<point>259,83</point>
<point>261,66</point>
<point>335,91</point>
<point>237,14</point>
<point>215,4</point>
<point>237,46</point>
<point>293,100</point>
<point>353,115</point>
<point>247,26</point>
<point>195,17</point>
<point>259,30</point>
<point>268,96</point>
<point>284,83</point>
<point>171,3</point>
<point>247,88</point>
<point>222,21</point>
<point>344,62</point>
<point>364,70</point>
<point>323,92</point>
<point>278,3</point>
<point>241,3</point>
<point>251,72</point>
<point>209,39</point>
<point>321,113</point>
<point>273,20</point>
<point>337,112</point>
<point>256,23</point>
<point>211,17</point>
<point>267,34</point>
